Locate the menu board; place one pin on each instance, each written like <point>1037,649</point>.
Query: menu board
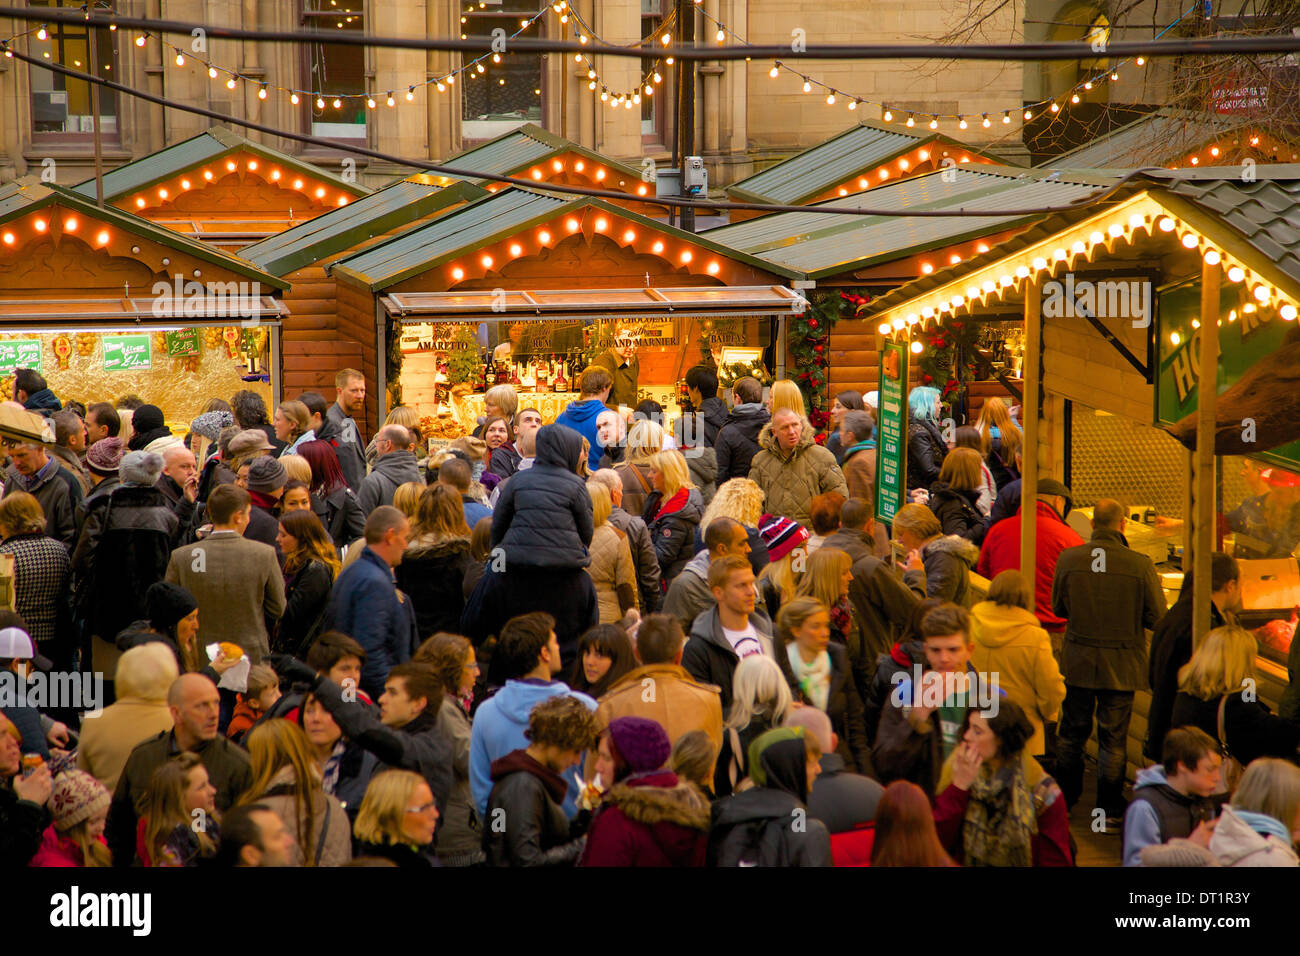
<point>891,431</point>
<point>127,353</point>
<point>19,353</point>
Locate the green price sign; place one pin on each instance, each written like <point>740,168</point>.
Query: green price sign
<point>183,344</point>
<point>20,353</point>
<point>126,353</point>
<point>891,432</point>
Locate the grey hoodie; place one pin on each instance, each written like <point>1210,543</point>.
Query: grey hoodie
<point>395,468</point>
<point>689,593</point>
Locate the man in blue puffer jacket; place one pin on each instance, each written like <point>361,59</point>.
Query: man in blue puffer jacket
<point>541,527</point>
<point>581,415</point>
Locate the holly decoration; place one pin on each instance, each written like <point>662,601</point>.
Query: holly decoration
<point>809,346</point>
<point>939,363</point>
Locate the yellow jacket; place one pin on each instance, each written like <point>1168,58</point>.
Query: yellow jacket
<point>1010,643</point>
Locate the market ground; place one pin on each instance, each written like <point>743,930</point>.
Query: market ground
<point>1095,849</point>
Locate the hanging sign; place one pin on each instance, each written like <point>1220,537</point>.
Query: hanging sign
<point>891,431</point>
<point>127,353</point>
<point>184,343</point>
<point>19,353</point>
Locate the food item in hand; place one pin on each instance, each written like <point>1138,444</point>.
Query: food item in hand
<point>231,652</point>
<point>32,763</point>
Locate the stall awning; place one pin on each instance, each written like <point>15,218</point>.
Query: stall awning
<point>21,315</point>
<point>519,304</point>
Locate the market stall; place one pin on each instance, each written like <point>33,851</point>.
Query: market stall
<point>103,303</point>
<point>224,189</point>
<point>533,286</point>
<point>1114,302</point>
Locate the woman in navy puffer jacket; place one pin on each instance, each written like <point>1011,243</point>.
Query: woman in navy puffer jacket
<point>541,527</point>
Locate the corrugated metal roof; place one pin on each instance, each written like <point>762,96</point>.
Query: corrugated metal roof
<point>825,244</point>
<point>1151,140</point>
<point>25,195</point>
<point>412,252</point>
<point>1264,213</point>
<point>195,151</point>
<point>841,157</point>
<point>496,217</point>
<point>340,229</point>
<point>510,152</point>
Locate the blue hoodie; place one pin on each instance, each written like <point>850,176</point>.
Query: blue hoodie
<point>581,417</point>
<point>499,727</point>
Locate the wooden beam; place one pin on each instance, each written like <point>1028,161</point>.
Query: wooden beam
<point>1029,413</point>
<point>1204,461</point>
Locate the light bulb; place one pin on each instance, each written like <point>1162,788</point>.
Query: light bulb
<point>888,116</point>
<point>180,59</point>
<point>1028,115</point>
<point>985,122</point>
<point>212,72</point>
<point>294,99</point>
<point>961,123</point>
<point>774,72</point>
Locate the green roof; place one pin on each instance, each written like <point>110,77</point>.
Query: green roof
<point>26,195</point>
<point>826,244</point>
<point>512,152</point>
<point>341,229</point>
<point>1260,219</point>
<point>203,148</point>
<point>1152,140</point>
<point>490,220</point>
<point>848,154</point>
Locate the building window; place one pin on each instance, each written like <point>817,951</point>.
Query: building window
<point>61,109</point>
<point>508,94</point>
<point>653,109</point>
<point>336,71</point>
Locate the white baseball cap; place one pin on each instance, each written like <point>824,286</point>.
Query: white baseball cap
<point>16,644</point>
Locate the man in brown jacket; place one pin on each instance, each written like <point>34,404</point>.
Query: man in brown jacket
<point>660,689</point>
<point>237,582</point>
<point>859,464</point>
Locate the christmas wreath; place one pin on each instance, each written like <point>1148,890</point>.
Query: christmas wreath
<point>809,344</point>
<point>946,363</point>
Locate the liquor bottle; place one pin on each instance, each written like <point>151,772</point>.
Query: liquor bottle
<point>514,374</point>
<point>490,376</point>
<point>561,380</point>
<point>541,376</point>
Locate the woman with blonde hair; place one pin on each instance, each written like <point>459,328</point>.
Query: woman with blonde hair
<point>644,440</point>
<point>297,468</point>
<point>1210,697</point>
<point>741,500</point>
<point>672,513</point>
<point>786,394</point>
<point>292,425</point>
<point>1010,642</point>
<point>821,668</point>
<point>827,577</point>
<point>611,568</point>
<point>397,819</point>
<point>286,779</point>
<point>760,700</point>
<point>406,498</point>
<point>433,568</point>
<point>1260,827</point>
<point>787,547</point>
<point>954,498</point>
<point>310,567</point>
<point>499,401</point>
<point>1001,438</point>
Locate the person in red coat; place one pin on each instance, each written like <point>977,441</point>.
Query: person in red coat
<point>648,817</point>
<point>1001,549</point>
<point>996,805</point>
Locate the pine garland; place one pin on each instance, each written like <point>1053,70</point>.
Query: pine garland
<point>809,346</point>
<point>939,360</point>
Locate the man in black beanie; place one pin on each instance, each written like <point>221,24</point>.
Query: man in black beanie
<point>150,431</point>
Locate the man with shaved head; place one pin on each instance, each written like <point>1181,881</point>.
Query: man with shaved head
<point>195,707</point>
<point>180,481</point>
<point>394,466</point>
<point>1111,596</point>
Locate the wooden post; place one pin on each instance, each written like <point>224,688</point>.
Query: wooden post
<point>1204,517</point>
<point>1029,412</point>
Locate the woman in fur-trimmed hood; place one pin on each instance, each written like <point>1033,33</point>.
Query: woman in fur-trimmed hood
<point>648,817</point>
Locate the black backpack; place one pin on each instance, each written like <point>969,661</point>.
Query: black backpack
<point>754,843</point>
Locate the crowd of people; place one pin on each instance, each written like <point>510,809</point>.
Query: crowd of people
<point>598,642</point>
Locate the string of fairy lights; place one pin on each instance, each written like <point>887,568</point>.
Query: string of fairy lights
<point>648,84</point>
